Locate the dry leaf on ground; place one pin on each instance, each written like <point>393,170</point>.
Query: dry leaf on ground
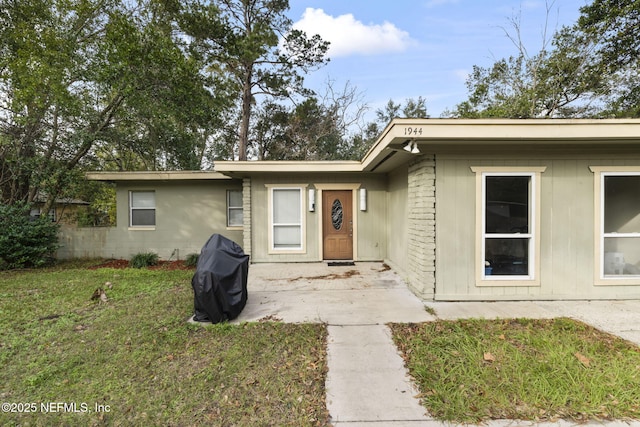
<point>488,357</point>
<point>583,359</point>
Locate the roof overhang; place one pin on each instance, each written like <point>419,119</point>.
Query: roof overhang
<point>237,168</point>
<point>155,176</point>
<point>388,149</point>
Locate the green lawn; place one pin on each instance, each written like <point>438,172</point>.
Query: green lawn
<point>476,370</point>
<point>134,360</point>
<point>137,358</point>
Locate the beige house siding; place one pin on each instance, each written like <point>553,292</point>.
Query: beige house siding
<point>371,236</point>
<point>372,223</point>
<point>187,214</point>
<point>567,228</point>
<point>397,227</point>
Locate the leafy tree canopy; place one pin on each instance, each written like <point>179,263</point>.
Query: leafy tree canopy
<point>590,70</point>
<point>613,27</point>
<point>96,82</point>
<point>252,42</point>
<point>616,25</point>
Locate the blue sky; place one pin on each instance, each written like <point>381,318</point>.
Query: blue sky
<point>403,49</point>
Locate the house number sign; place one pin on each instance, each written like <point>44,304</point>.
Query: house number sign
<point>412,131</point>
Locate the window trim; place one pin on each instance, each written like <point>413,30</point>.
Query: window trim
<point>600,172</point>
<point>533,278</point>
<point>230,208</point>
<point>302,249</point>
<point>131,209</point>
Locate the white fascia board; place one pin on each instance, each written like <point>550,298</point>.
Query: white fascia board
<point>262,166</point>
<point>155,176</point>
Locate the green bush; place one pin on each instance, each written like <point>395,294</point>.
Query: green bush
<point>144,259</point>
<point>192,260</point>
<point>24,241</point>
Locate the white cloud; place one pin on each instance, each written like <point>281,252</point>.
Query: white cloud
<point>349,36</point>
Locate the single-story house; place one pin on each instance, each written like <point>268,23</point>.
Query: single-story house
<point>461,209</point>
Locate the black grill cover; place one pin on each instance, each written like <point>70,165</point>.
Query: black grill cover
<point>220,282</point>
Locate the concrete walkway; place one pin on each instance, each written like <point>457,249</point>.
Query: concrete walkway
<point>367,383</point>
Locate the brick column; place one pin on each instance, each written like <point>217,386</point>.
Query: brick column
<point>246,215</point>
<point>421,201</point>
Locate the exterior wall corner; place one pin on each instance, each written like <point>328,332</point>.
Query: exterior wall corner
<point>421,202</point>
<point>246,216</point>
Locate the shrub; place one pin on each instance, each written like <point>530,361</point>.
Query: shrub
<point>192,260</point>
<point>24,241</point>
<point>144,259</point>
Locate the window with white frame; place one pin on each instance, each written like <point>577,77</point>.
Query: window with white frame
<point>234,208</point>
<point>619,225</point>
<point>508,221</point>
<point>142,208</point>
<point>287,219</point>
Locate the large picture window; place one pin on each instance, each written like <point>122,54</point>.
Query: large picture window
<point>287,220</point>
<point>619,226</point>
<point>507,209</point>
<point>142,208</point>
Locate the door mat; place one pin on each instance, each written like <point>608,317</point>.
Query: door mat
<point>340,263</point>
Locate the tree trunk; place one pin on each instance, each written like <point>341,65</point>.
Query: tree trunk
<point>247,98</point>
<point>105,117</point>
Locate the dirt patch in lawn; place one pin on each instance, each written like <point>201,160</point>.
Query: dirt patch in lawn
<point>162,265</point>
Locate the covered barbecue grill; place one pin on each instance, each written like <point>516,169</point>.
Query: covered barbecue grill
<point>220,281</point>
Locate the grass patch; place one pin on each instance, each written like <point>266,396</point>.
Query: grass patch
<point>430,310</point>
<point>137,355</point>
<point>476,370</point>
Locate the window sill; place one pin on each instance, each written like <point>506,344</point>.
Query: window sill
<point>287,251</point>
<point>141,228</point>
<point>235,227</point>
<point>615,281</point>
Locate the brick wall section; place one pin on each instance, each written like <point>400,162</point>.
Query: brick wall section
<point>421,201</point>
<point>246,215</point>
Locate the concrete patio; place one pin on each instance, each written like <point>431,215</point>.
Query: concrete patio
<point>364,294</point>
